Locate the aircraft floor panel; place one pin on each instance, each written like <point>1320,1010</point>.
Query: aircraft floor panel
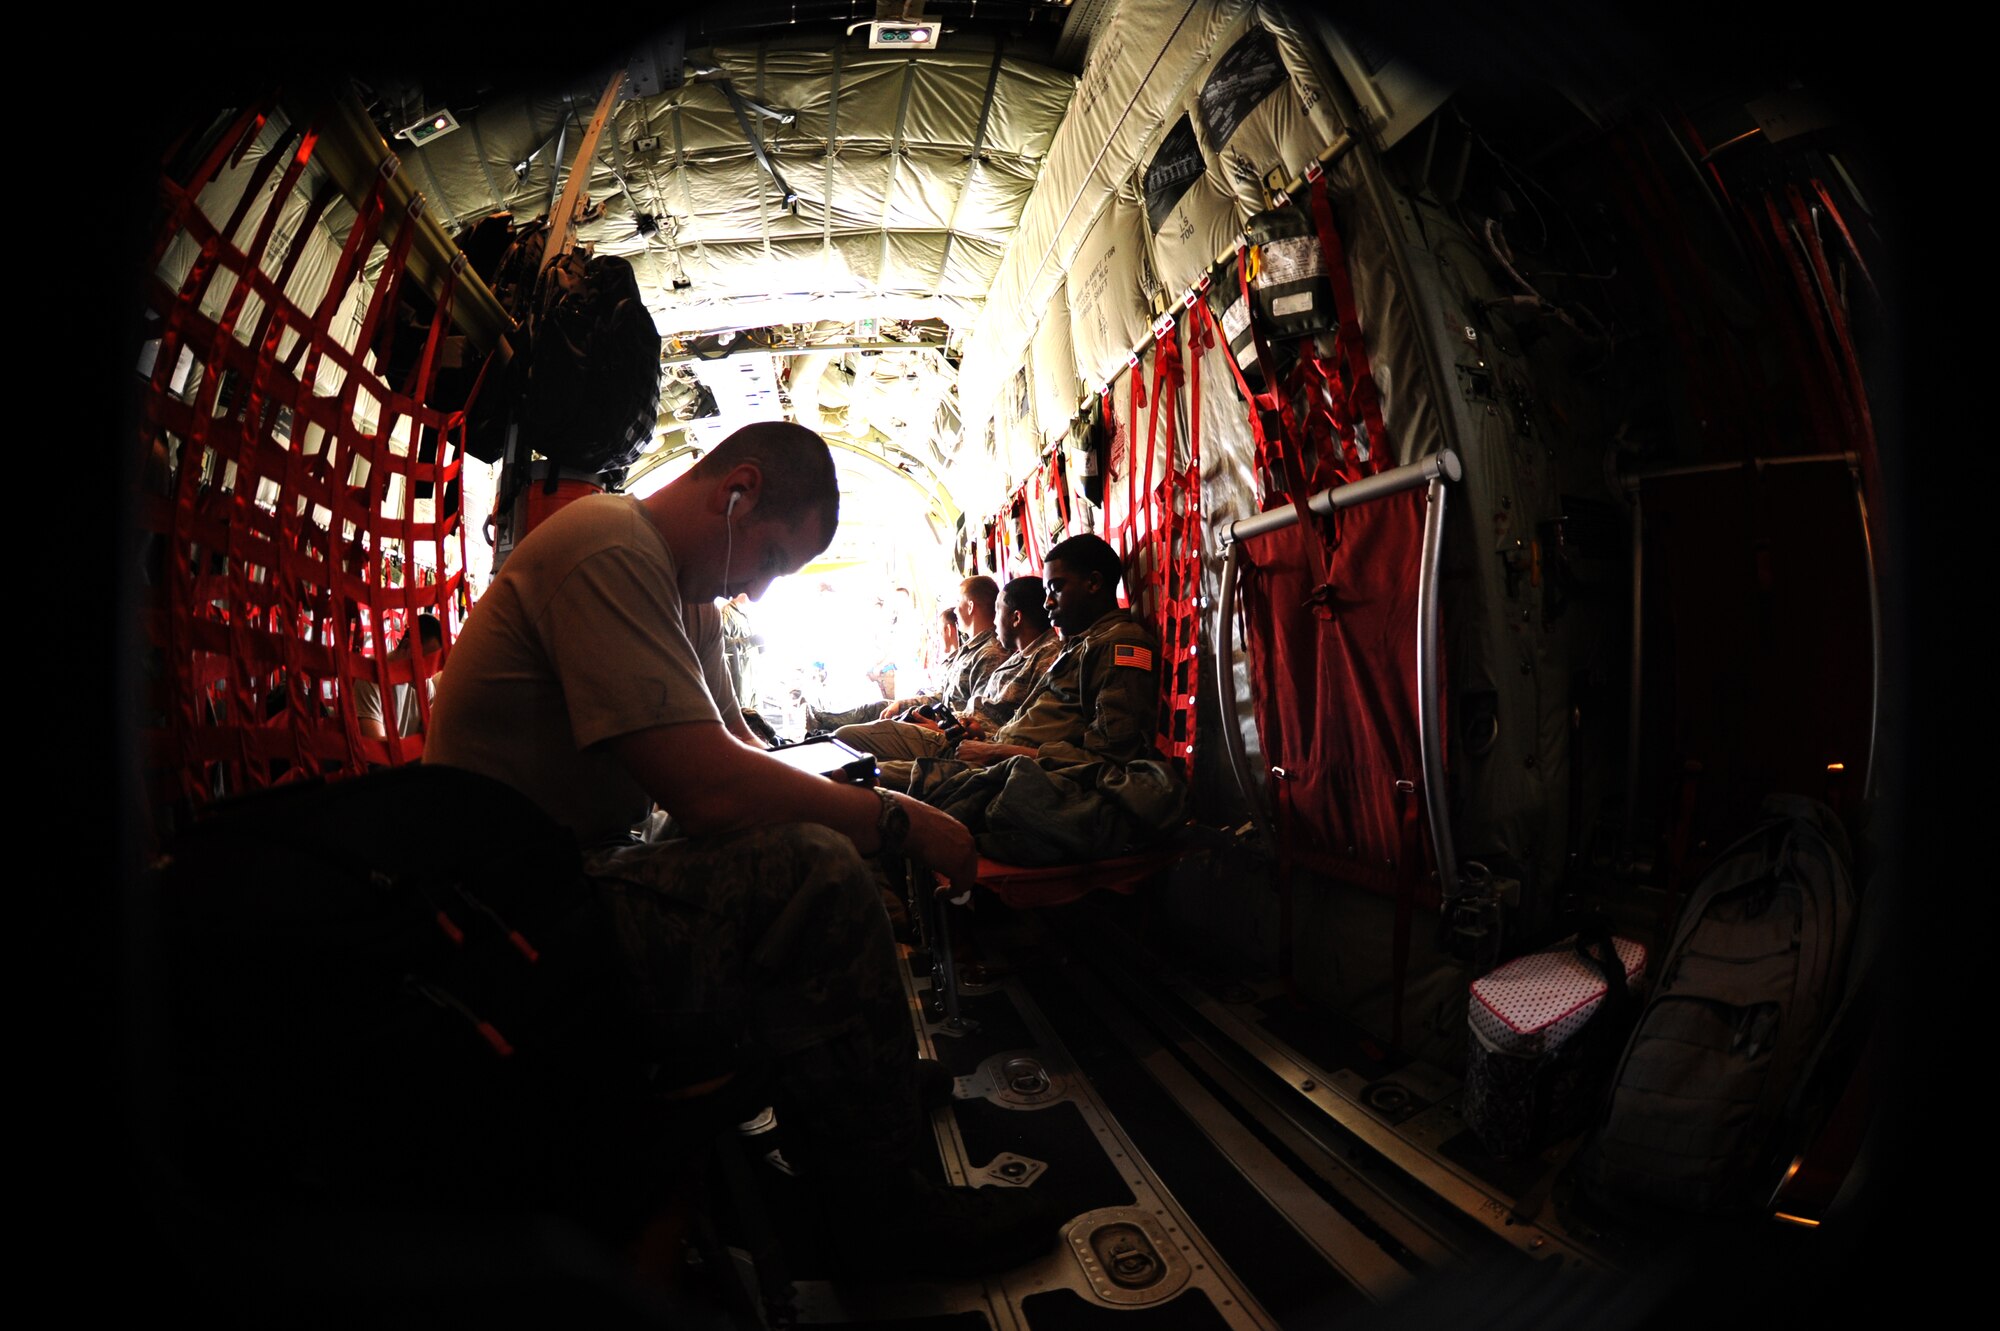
<point>1404,1113</point>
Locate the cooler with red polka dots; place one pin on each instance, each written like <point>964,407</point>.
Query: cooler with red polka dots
<point>1534,1003</point>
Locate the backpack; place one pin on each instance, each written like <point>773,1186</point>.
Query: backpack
<point>589,397</point>
<point>1744,993</point>
<point>392,989</point>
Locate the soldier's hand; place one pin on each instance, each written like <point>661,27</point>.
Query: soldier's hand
<point>941,843</point>
<point>979,752</point>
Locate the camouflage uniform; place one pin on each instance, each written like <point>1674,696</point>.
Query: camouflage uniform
<point>776,938</point>
<point>967,668</point>
<point>1099,700</point>
<point>996,700</point>
<point>1001,696</point>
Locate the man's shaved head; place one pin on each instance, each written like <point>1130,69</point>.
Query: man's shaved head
<point>799,480</point>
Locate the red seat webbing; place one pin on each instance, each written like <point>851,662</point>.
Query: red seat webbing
<point>263,614</point>
<point>1329,612</point>
<point>1171,536</point>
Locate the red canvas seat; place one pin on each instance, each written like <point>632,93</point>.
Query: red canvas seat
<point>1059,884</point>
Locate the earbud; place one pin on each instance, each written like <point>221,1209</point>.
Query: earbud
<point>735,497</point>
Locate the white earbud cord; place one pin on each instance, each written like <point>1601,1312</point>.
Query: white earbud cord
<point>728,546</point>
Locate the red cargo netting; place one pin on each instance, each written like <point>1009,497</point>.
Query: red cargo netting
<point>300,501</point>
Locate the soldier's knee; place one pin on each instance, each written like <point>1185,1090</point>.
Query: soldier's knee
<point>818,848</point>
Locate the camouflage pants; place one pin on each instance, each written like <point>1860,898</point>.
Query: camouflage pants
<point>895,739</point>
<point>778,936</point>
<point>852,716</point>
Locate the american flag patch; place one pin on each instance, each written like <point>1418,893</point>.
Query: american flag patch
<point>1139,658</point>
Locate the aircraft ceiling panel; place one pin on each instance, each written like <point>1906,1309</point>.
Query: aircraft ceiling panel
<point>861,184</point>
<point>925,189</point>
<point>697,123</point>
<point>913,260</point>
<point>1028,105</point>
<point>945,101</point>
<point>994,194</point>
<point>969,268</point>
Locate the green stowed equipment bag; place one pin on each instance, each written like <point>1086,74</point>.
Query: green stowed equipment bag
<point>1743,998</point>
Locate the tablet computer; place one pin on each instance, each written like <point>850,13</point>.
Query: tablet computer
<point>829,758</point>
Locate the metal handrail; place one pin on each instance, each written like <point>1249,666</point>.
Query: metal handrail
<point>1431,473</point>
<point>1430,688</point>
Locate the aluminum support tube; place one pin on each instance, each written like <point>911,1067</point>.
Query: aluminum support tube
<point>1443,465</point>
<point>1636,669</point>
<point>1225,694</point>
<point>1874,636</point>
<point>1430,687</point>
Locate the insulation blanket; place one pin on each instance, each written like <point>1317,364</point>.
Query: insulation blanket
<point>1110,277</point>
<point>1337,697</point>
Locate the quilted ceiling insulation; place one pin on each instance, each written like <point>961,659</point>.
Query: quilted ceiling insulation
<point>908,172</point>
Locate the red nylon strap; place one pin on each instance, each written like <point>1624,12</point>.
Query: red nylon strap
<point>1701,154</point>
<point>1263,451</point>
<point>181,204</point>
<point>1172,514</point>
<point>1184,565</point>
<point>1819,420</point>
<point>1362,396</point>
<point>1288,444</point>
<point>1850,430</point>
<point>1024,504</point>
<point>1136,372</point>
<point>1166,394</point>
<point>1830,301</point>
<point>1832,211</point>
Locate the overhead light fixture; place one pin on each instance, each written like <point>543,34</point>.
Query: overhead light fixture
<point>901,25</point>
<point>434,125</point>
<point>903,36</point>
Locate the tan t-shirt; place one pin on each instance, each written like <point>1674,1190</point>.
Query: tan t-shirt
<point>582,638</point>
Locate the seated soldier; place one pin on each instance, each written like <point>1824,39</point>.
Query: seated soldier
<point>963,670</point>
<point>975,657</point>
<point>1022,626</point>
<point>578,681</point>
<point>368,713</point>
<point>1095,784</point>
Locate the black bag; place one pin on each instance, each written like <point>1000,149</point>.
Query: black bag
<point>589,395</point>
<point>1745,991</point>
<point>1288,286</point>
<point>393,989</point>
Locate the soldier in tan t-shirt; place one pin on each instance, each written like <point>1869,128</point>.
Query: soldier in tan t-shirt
<point>582,679</point>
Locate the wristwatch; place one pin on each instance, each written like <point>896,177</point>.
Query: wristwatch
<point>893,827</point>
